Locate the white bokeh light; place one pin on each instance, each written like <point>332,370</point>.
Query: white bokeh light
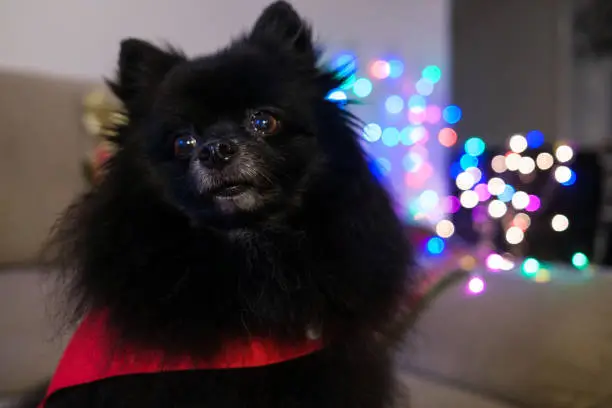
<point>545,161</point>
<point>520,200</point>
<point>497,209</point>
<point>469,199</point>
<point>514,235</point>
<point>559,223</point>
<point>564,153</point>
<point>496,186</point>
<point>518,143</point>
<point>445,229</point>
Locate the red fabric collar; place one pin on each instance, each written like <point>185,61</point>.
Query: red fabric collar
<point>93,355</point>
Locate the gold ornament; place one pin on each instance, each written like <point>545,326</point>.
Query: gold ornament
<point>103,116</point>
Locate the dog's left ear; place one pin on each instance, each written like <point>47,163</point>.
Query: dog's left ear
<point>141,68</point>
<point>279,22</point>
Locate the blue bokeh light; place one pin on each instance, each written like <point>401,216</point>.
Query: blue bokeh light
<point>390,136</point>
<point>452,114</point>
<point>456,169</point>
<point>376,169</point>
<point>424,87</point>
<point>466,161</point>
<point>435,245</point>
<point>475,146</point>
<point>345,64</point>
<point>507,194</point>
<point>396,68</point>
<point>394,104</point>
<point>571,180</point>
<point>412,162</point>
<point>535,139</point>
<point>406,136</point>
<point>417,101</point>
<point>362,87</point>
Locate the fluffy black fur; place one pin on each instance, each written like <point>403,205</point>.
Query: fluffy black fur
<point>257,231</point>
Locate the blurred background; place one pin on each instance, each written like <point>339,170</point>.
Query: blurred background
<point>489,121</point>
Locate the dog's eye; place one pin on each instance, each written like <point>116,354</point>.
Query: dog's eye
<point>263,123</point>
<point>184,146</point>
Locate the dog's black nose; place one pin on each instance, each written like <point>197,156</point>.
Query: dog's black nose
<point>217,153</point>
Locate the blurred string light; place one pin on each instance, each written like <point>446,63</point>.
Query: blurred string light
<point>522,220</point>
<point>452,114</point>
<point>518,143</point>
<point>435,245</point>
<point>394,104</point>
<point>514,235</point>
<point>424,87</point>
<point>507,194</point>
<point>469,199</point>
<point>380,69</point>
<point>514,210</point>
<point>530,266</point>
<point>390,136</point>
<point>535,139</point>
<point>476,285</point>
<point>563,174</point>
<point>372,132</point>
<point>445,229</point>
<point>482,190</point>
<point>396,68</point>
<point>432,73</point>
<point>513,161</point>
<point>564,153</point>
<point>527,165</point>
<point>580,260</point>
<point>362,87</point>
<point>545,161</point>
<point>559,223</point>
<point>520,200</point>
<point>498,164</point>
<point>475,146</point>
<point>497,209</point>
<point>412,122</point>
<point>447,137</point>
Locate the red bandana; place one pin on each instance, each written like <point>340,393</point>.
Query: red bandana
<point>90,356</point>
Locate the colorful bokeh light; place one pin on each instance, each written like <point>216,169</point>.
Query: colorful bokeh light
<point>432,73</point>
<point>452,114</point>
<point>535,139</point>
<point>476,285</point>
<point>394,104</point>
<point>380,69</point>
<point>447,137</point>
<point>362,87</point>
<point>475,146</point>
<point>435,245</point>
<point>580,261</point>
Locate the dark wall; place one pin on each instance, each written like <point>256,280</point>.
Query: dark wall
<point>512,67</point>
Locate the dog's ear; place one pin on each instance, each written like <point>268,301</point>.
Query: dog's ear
<point>279,22</point>
<point>141,68</point>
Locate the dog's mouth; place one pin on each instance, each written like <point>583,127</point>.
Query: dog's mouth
<point>229,190</point>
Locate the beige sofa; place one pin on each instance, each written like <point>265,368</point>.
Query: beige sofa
<point>41,144</point>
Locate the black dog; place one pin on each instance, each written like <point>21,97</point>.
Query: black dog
<point>239,206</point>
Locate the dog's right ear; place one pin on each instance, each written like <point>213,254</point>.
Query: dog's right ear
<point>141,68</point>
